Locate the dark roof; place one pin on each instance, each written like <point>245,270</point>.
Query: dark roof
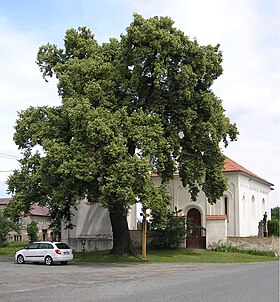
<point>35,210</point>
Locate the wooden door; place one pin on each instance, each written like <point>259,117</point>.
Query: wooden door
<point>195,238</point>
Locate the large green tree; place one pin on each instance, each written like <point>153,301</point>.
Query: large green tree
<point>129,107</point>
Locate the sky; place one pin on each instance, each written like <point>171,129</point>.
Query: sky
<point>247,30</point>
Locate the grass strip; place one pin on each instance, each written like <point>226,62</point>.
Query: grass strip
<point>173,256</point>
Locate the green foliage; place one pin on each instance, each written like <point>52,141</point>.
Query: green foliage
<point>171,235</point>
<point>32,231</point>
<point>130,107</point>
<point>6,226</point>
<point>273,227</point>
<point>275,213</point>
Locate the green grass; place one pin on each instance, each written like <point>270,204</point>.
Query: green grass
<point>175,256</point>
<point>205,256</point>
<point>164,256</point>
<point>12,247</point>
<point>106,257</point>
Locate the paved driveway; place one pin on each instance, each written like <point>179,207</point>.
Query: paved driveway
<point>139,282</point>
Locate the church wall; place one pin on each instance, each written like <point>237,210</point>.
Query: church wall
<point>253,202</point>
<point>244,202</point>
<point>230,197</point>
<point>89,221</point>
<point>93,227</point>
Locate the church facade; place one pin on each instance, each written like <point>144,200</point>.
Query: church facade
<point>236,214</point>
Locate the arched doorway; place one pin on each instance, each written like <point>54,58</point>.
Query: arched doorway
<point>196,237</point>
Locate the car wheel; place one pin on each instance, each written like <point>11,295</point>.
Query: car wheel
<point>64,262</point>
<point>48,260</point>
<point>20,259</point>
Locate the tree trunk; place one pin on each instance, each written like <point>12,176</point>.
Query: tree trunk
<point>122,243</point>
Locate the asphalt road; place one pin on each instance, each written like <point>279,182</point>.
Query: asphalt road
<point>82,282</point>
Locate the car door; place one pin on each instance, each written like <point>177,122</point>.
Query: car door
<point>49,249</point>
<point>31,252</point>
<point>41,251</point>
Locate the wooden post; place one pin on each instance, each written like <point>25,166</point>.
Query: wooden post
<point>144,234</point>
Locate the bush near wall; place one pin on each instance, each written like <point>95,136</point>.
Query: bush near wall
<point>273,227</point>
<point>172,235</point>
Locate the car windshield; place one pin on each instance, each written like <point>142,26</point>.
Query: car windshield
<point>62,246</point>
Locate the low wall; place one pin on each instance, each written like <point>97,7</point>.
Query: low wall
<point>216,226</point>
<point>256,243</point>
<point>136,237</point>
<point>91,244</point>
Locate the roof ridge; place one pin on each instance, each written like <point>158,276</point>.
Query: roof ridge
<point>231,165</point>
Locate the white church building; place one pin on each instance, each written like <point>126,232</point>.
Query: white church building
<point>236,214</point>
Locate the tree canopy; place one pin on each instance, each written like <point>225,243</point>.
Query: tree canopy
<point>131,107</point>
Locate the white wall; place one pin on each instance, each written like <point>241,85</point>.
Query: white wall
<point>92,221</point>
<point>216,231</point>
<point>247,200</point>
<point>254,202</point>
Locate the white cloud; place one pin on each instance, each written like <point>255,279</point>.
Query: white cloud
<point>21,86</point>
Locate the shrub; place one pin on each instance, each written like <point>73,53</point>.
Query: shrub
<point>172,235</point>
<point>273,227</point>
<point>6,226</point>
<point>275,213</point>
<point>32,231</point>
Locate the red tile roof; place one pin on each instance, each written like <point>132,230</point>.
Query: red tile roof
<point>35,210</point>
<point>232,166</point>
<point>4,201</point>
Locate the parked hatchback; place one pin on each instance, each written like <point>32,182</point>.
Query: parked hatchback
<point>46,252</point>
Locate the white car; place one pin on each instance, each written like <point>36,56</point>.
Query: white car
<point>46,252</point>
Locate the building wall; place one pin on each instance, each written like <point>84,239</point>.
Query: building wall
<point>92,226</point>
<point>89,221</point>
<point>244,202</point>
<point>44,232</point>
<point>43,222</point>
<point>216,229</point>
<point>253,203</point>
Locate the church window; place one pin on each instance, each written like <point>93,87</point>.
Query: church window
<point>253,208</point>
<point>226,207</point>
<point>263,206</point>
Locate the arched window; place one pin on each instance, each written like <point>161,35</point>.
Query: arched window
<point>226,207</point>
<point>253,208</point>
<point>263,206</point>
<point>244,206</point>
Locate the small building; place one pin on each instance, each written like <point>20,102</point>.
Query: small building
<point>37,213</point>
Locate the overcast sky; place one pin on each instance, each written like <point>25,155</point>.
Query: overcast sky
<point>247,30</point>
